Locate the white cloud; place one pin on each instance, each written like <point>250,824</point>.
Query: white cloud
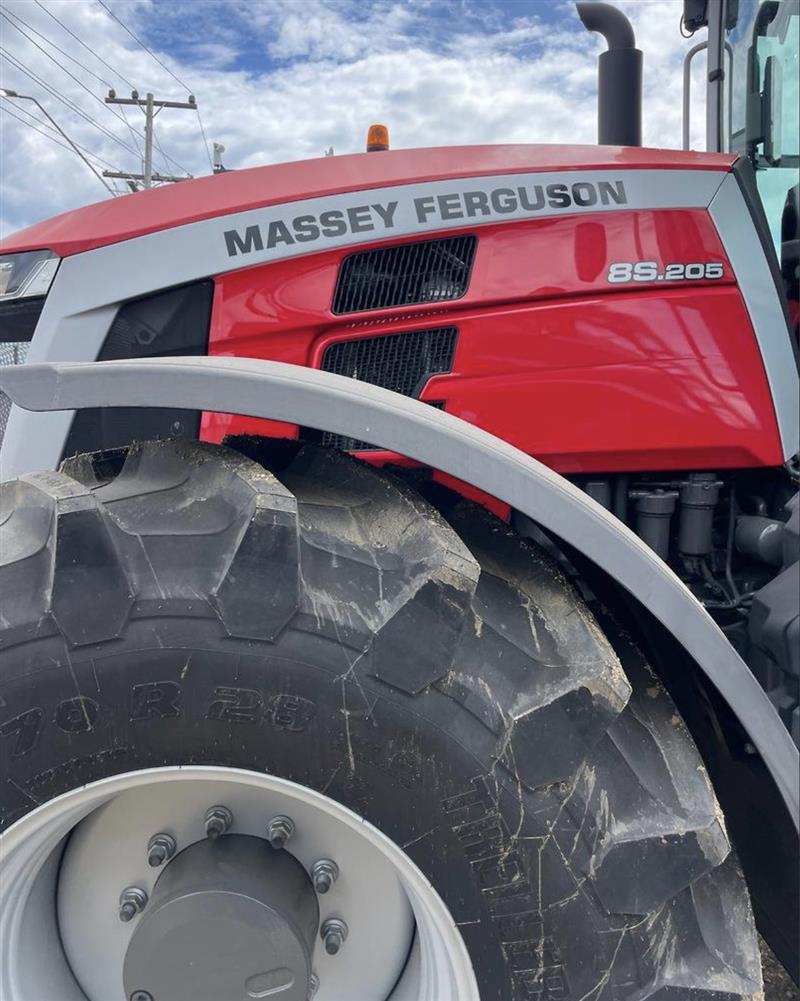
<point>438,72</point>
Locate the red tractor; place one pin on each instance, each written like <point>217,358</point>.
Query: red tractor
<point>496,706</point>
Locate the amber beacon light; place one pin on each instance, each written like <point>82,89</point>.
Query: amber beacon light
<point>377,138</point>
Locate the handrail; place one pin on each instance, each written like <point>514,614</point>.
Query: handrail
<point>687,89</point>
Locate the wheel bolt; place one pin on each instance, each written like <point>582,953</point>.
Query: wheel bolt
<point>218,821</point>
<point>279,830</point>
<point>333,933</point>
<point>132,901</point>
<point>324,874</point>
<point>160,849</point>
<point>313,986</point>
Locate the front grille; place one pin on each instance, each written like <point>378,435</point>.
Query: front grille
<point>430,271</point>
<point>402,363</point>
<point>13,353</point>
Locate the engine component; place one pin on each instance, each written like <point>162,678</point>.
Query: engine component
<point>654,510</point>
<point>698,499</point>
<point>761,538</point>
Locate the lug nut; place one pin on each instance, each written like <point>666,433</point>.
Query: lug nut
<point>160,849</point>
<point>218,821</point>
<point>333,933</point>
<point>132,901</point>
<point>324,874</point>
<point>279,830</point>
<point>313,986</point>
<point>141,996</point>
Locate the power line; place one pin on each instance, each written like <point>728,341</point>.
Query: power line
<point>52,138</point>
<point>24,97</point>
<point>136,38</point>
<point>167,158</point>
<point>7,15</point>
<point>151,108</point>
<point>80,41</point>
<point>205,140</point>
<point>41,126</point>
<point>17,64</point>
<point>164,66</point>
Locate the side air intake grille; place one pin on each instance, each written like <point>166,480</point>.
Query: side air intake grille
<point>12,353</point>
<point>402,363</point>
<point>431,271</point>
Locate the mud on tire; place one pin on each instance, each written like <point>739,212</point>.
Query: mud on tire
<point>181,604</point>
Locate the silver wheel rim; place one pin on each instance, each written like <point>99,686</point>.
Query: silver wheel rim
<point>37,871</point>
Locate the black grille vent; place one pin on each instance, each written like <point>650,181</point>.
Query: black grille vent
<point>402,363</point>
<point>346,444</point>
<point>431,271</point>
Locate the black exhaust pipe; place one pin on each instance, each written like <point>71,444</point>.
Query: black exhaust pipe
<point>619,76</point>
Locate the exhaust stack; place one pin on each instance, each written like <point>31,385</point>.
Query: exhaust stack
<point>619,76</point>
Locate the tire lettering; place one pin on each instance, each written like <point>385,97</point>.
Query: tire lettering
<point>158,699</point>
<point>537,970</point>
<point>292,712</point>
<point>236,705</point>
<point>76,715</point>
<point>27,728</point>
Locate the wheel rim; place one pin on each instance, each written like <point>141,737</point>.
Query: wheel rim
<point>82,849</point>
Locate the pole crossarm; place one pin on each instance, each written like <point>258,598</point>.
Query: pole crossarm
<point>151,108</point>
<point>141,103</point>
<point>125,176</point>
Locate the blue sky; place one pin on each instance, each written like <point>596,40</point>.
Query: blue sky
<point>286,79</point>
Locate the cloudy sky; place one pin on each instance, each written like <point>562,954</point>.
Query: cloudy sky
<point>285,79</point>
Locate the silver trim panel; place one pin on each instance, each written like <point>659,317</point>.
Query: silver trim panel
<point>737,232</point>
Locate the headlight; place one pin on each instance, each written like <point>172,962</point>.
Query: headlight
<point>24,282</point>
<point>26,276</point>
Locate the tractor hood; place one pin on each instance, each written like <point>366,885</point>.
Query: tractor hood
<point>128,216</point>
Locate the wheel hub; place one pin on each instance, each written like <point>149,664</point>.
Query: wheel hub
<point>85,875</point>
<point>228,918</point>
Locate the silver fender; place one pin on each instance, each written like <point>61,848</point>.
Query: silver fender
<point>317,399</point>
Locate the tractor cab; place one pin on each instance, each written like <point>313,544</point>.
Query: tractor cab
<point>753,97</point>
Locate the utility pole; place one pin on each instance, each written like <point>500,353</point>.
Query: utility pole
<point>151,108</point>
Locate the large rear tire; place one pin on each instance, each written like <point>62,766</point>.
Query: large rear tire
<point>183,606</point>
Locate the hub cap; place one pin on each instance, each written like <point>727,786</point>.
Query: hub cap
<point>230,919</point>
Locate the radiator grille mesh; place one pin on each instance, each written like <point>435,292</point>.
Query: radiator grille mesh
<point>402,363</point>
<point>13,353</point>
<point>430,271</point>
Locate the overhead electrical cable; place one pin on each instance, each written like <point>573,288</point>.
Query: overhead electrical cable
<point>117,73</point>
<point>52,137</point>
<point>49,133</point>
<point>205,140</point>
<point>164,66</point>
<point>17,64</point>
<point>150,52</point>
<point>167,158</point>
<point>80,41</point>
<point>8,15</point>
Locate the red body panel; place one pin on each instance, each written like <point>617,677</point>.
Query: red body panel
<point>117,219</point>
<point>586,376</point>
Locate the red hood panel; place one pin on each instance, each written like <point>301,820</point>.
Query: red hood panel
<point>128,216</point>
